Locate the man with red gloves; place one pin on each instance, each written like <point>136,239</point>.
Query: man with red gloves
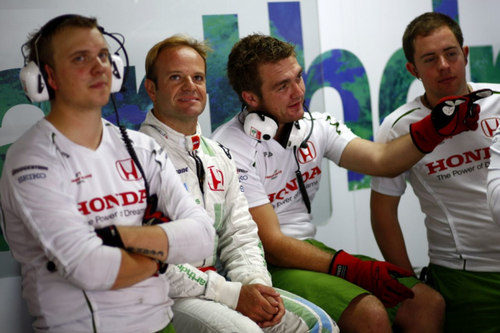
<point>278,151</point>
<point>450,181</point>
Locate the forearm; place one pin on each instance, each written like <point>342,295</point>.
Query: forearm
<point>187,281</point>
<point>386,229</point>
<point>134,268</point>
<point>381,159</point>
<point>149,241</point>
<point>392,245</point>
<point>398,156</point>
<point>293,253</point>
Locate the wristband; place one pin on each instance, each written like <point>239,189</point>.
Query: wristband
<point>161,268</point>
<point>330,267</point>
<point>110,236</point>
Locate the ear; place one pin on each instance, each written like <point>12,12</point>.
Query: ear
<point>251,99</point>
<point>51,76</point>
<point>150,89</point>
<point>465,49</point>
<point>412,69</point>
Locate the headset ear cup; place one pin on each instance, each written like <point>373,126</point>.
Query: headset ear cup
<point>117,71</point>
<point>33,82</point>
<point>297,135</point>
<point>260,126</point>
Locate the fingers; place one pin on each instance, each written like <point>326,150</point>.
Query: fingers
<point>395,294</point>
<point>281,311</point>
<point>478,94</point>
<point>397,272</point>
<point>471,121</point>
<point>277,316</point>
<point>253,305</point>
<point>265,290</point>
<point>271,306</point>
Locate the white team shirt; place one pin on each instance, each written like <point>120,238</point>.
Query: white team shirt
<point>267,170</point>
<point>450,183</point>
<point>494,178</point>
<point>55,192</point>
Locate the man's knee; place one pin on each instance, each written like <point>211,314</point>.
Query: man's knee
<point>425,310</point>
<point>365,314</point>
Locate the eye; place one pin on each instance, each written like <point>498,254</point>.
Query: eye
<point>104,56</point>
<point>199,78</point>
<point>79,58</point>
<point>452,54</point>
<point>428,60</point>
<point>174,77</point>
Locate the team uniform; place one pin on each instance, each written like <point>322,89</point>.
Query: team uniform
<point>267,172</point>
<point>450,182</point>
<point>54,193</point>
<point>209,174</point>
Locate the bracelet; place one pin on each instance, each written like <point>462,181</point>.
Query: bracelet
<point>161,267</point>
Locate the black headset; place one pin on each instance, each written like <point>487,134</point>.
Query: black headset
<point>34,78</point>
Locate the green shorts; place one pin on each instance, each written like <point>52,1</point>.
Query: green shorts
<point>472,298</point>
<point>168,329</point>
<point>331,293</point>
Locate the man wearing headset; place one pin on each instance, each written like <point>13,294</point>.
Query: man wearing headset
<point>450,183</point>
<point>175,82</point>
<point>70,175</point>
<point>273,155</point>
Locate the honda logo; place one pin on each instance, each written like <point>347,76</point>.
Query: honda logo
<point>128,170</point>
<point>489,125</point>
<point>216,183</point>
<point>307,154</point>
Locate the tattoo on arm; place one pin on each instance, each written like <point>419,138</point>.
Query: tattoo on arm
<point>146,252</point>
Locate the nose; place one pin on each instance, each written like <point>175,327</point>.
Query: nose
<point>298,89</point>
<point>188,83</point>
<point>443,62</point>
<point>100,64</point>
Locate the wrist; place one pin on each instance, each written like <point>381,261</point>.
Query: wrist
<point>424,135</point>
<point>161,267</point>
<point>332,262</point>
<point>110,236</point>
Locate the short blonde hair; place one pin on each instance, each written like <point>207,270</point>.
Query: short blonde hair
<point>176,40</point>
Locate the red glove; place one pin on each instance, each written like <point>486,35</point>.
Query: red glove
<point>151,215</point>
<point>378,277</point>
<point>452,115</point>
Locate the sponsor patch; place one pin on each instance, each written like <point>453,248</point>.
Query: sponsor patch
<point>29,167</point>
<point>182,170</point>
<point>79,178</point>
<point>31,176</point>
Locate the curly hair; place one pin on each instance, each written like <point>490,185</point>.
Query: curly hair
<point>246,56</point>
<point>424,25</point>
